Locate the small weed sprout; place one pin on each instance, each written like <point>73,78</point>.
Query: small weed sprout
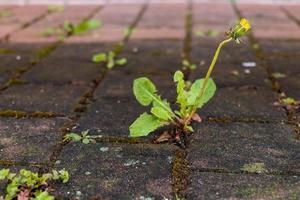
<point>72,29</point>
<point>189,100</point>
<point>187,65</point>
<point>110,59</point>
<point>5,13</point>
<point>128,31</point>
<point>56,8</point>
<point>84,137</point>
<point>30,185</point>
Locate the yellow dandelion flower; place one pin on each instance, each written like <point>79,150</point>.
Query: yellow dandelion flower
<point>245,24</point>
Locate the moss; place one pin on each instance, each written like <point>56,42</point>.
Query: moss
<point>180,174</point>
<point>254,168</point>
<point>21,114</point>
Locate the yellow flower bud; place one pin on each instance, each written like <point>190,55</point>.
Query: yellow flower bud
<point>239,29</point>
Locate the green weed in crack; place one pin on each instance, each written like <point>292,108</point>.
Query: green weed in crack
<point>69,28</point>
<point>30,185</point>
<point>188,99</point>
<point>110,59</point>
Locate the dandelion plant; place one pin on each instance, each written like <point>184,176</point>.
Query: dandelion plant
<point>189,99</point>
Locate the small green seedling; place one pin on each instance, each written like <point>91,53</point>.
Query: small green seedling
<point>84,137</point>
<point>188,99</point>
<point>56,8</point>
<point>254,168</point>
<point>30,185</point>
<point>210,33</point>
<point>128,31</point>
<point>187,65</point>
<point>72,29</point>
<point>5,13</point>
<point>109,59</point>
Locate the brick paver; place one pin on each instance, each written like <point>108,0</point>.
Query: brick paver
<point>61,91</point>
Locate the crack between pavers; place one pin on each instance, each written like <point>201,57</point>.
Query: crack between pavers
<point>290,113</point>
<point>241,172</point>
<point>87,98</point>
<point>39,56</point>
<point>6,38</point>
<point>180,166</point>
<point>29,114</point>
<point>187,43</point>
<point>10,163</point>
<point>289,15</point>
<point>233,119</point>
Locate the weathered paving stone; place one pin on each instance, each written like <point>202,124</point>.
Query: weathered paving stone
<point>229,69</point>
<point>293,10</point>
<point>29,140</point>
<point>114,96</point>
<point>114,18</point>
<point>242,186</point>
<point>116,171</point>
<point>65,65</point>
<point>162,21</point>
<point>35,33</point>
<point>216,17</point>
<point>20,16</point>
<point>268,21</point>
<point>244,103</point>
<point>43,98</point>
<point>229,146</point>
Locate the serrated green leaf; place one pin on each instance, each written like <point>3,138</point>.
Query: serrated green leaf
<point>181,93</point>
<point>99,57</point>
<point>64,175</point>
<point>143,125</point>
<point>195,90</point>
<point>160,113</point>
<point>42,196</point>
<point>4,174</point>
<point>144,90</point>
<point>73,137</point>
<point>121,61</point>
<point>178,76</point>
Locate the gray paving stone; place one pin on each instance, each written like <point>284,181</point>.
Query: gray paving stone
<point>237,186</point>
<point>65,65</point>
<point>29,140</point>
<point>43,97</point>
<point>116,171</point>
<point>230,146</point>
<point>244,103</point>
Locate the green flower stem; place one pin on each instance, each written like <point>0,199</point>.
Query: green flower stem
<point>210,69</point>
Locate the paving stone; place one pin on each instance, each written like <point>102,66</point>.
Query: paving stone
<point>229,146</point>
<point>29,140</point>
<point>34,33</point>
<point>293,10</point>
<point>43,98</point>
<point>280,47</point>
<point>114,96</point>
<point>229,70</point>
<point>65,65</point>
<point>116,171</point>
<point>114,18</point>
<point>237,186</point>
<point>20,16</point>
<point>244,103</point>
<point>214,17</point>
<point>162,21</point>
<point>268,21</point>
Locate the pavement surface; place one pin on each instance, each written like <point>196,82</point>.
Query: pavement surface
<point>49,88</point>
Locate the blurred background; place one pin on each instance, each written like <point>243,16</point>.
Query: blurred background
<point>26,2</point>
